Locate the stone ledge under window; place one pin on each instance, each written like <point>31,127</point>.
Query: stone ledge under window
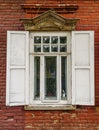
<point>51,107</point>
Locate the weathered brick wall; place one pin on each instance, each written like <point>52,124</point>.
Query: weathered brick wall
<point>11,118</point>
<point>80,119</point>
<point>16,118</point>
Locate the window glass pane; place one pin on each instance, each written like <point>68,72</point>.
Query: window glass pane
<point>54,48</point>
<point>54,39</point>
<point>63,77</point>
<point>46,39</point>
<point>46,48</point>
<point>50,78</point>
<point>37,77</point>
<point>37,48</point>
<point>37,39</point>
<point>62,48</point>
<point>63,39</point>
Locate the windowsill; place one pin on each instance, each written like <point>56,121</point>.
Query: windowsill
<point>43,107</point>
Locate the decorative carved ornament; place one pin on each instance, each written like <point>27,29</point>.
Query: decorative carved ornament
<point>49,21</point>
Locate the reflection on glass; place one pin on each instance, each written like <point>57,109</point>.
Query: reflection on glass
<point>45,48</point>
<point>50,78</point>
<point>46,39</point>
<point>54,48</point>
<point>63,77</point>
<point>37,77</point>
<point>63,39</point>
<point>37,39</point>
<point>37,48</point>
<point>62,48</point>
<point>54,39</point>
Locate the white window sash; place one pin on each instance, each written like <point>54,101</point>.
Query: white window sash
<point>42,69</point>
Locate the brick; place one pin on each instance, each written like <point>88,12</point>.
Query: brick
<point>16,118</point>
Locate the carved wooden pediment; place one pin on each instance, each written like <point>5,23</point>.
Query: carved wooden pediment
<point>49,21</point>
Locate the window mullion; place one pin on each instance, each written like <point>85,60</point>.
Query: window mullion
<point>31,79</point>
<point>58,78</point>
<point>42,70</point>
<point>69,89</point>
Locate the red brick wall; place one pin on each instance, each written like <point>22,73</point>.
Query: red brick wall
<point>80,119</point>
<point>11,118</point>
<point>16,118</point>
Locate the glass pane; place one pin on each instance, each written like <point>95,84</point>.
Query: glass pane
<point>37,48</point>
<point>50,78</point>
<point>54,39</point>
<point>46,39</point>
<point>54,48</point>
<point>63,77</point>
<point>62,48</point>
<point>45,48</point>
<point>37,39</point>
<point>63,39</point>
<point>37,77</point>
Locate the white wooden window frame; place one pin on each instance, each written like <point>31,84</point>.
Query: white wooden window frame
<point>42,100</point>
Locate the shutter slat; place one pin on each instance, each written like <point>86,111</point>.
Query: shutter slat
<point>17,86</point>
<point>83,67</point>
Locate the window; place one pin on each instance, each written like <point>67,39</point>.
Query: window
<point>50,68</point>
<point>50,64</point>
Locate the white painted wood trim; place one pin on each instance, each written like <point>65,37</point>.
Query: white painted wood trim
<point>27,70</point>
<point>10,67</point>
<point>58,77</point>
<point>90,67</point>
<point>17,67</point>
<point>42,74</point>
<point>92,102</point>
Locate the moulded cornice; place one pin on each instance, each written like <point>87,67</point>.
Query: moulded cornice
<point>59,8</point>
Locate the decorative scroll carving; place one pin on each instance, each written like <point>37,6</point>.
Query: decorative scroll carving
<point>49,21</point>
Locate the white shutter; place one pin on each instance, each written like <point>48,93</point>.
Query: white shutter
<point>83,68</point>
<point>17,80</point>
